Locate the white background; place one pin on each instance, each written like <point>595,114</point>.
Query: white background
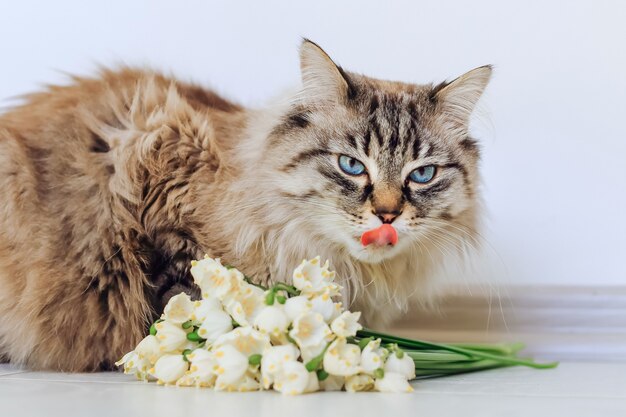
<point>552,122</point>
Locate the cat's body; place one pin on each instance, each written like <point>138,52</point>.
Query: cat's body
<point>109,187</point>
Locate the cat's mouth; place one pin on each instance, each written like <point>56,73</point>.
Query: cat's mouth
<point>384,235</point>
<point>376,245</point>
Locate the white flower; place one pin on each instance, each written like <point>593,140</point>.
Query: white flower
<point>271,345</point>
<point>404,366</point>
<point>311,352</point>
<point>202,362</point>
<point>249,382</point>
<point>359,382</point>
<point>212,277</point>
<point>347,324</point>
<point>332,383</point>
<point>338,310</point>
<point>273,359</point>
<point>230,366</point>
<point>134,364</point>
<point>171,336</point>
<point>246,304</point>
<point>149,348</point>
<point>296,306</point>
<point>309,330</point>
<point>342,358</point>
<point>312,278</point>
<point>292,379</point>
<point>246,340</point>
<point>372,357</point>
<point>178,309</point>
<point>324,305</point>
<point>188,380</point>
<point>169,368</point>
<point>204,307</point>
<point>201,372</point>
<point>214,325</point>
<point>393,382</point>
<point>313,383</point>
<point>272,320</point>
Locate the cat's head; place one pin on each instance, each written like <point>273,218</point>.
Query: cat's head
<point>352,153</point>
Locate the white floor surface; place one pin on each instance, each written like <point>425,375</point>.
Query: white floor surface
<point>574,389</point>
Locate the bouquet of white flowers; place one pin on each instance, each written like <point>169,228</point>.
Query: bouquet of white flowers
<point>292,338</point>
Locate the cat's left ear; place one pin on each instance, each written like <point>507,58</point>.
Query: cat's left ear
<point>323,81</point>
<point>457,99</point>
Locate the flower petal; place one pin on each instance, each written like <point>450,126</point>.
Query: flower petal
<point>359,382</point>
<point>293,378</point>
<point>216,324</point>
<point>178,309</point>
<point>169,368</point>
<point>342,358</point>
<point>393,382</point>
<point>404,366</point>
<point>309,330</point>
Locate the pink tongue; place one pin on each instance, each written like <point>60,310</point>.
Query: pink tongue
<point>381,236</point>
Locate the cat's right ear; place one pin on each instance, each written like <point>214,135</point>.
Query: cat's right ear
<point>322,80</point>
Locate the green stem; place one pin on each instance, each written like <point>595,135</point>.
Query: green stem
<point>499,348</point>
<point>314,363</point>
<point>417,344</point>
<point>481,365</point>
<point>437,356</point>
<point>249,281</point>
<point>289,289</point>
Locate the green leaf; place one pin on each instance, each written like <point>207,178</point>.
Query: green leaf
<point>322,374</point>
<point>314,363</point>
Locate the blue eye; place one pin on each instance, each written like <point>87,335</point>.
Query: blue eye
<point>424,174</point>
<point>350,165</point>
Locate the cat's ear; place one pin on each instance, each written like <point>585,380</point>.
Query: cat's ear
<point>322,80</point>
<point>457,99</point>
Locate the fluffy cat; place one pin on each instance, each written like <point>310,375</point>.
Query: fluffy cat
<point>110,186</point>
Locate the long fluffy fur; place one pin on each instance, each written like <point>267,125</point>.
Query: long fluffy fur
<point>110,186</point>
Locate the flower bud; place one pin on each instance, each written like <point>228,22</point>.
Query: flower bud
<point>169,368</point>
<point>404,366</point>
<point>393,382</point>
<point>171,336</point>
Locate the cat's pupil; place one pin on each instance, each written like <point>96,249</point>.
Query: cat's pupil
<point>420,170</point>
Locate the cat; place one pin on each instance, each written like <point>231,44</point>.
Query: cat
<point>110,186</point>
